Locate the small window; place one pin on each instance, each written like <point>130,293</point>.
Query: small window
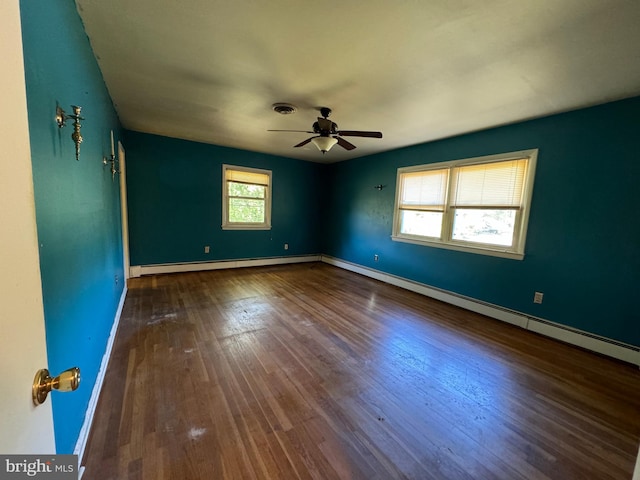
<point>246,198</point>
<point>479,205</point>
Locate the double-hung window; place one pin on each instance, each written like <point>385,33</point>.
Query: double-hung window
<point>479,205</point>
<point>246,198</point>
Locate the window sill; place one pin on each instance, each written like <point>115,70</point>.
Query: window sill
<point>246,227</point>
<point>461,248</point>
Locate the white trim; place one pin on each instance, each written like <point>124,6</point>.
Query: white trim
<point>245,226</point>
<point>97,387</point>
<point>124,209</point>
<point>458,247</point>
<point>636,471</point>
<point>498,157</point>
<point>589,341</point>
<point>139,270</point>
<point>596,343</point>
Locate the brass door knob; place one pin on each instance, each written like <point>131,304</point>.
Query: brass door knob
<point>67,381</point>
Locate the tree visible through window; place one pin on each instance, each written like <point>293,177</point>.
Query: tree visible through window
<point>246,202</point>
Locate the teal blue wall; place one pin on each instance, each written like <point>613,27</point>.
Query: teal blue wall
<point>77,203</point>
<point>583,247</point>
<point>174,190</point>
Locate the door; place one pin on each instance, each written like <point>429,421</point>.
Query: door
<point>24,428</point>
<point>124,215</point>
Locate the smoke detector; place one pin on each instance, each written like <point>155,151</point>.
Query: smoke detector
<point>284,108</point>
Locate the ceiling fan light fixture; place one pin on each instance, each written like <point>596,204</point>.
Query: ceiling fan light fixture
<point>324,144</point>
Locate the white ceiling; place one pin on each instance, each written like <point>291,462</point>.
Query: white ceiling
<point>417,70</point>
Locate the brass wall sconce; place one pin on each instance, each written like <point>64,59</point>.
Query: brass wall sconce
<point>67,381</point>
<point>61,119</point>
<point>111,159</point>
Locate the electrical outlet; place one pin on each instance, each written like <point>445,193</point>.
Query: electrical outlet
<point>286,246</point>
<point>206,249</point>
<point>537,297</point>
<point>376,257</point>
<point>116,279</point>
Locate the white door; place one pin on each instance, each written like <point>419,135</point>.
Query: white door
<point>123,210</point>
<point>24,428</point>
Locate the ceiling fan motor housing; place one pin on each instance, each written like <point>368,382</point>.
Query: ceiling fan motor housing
<point>327,130</point>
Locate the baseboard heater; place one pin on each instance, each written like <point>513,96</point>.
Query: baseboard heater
<point>139,270</point>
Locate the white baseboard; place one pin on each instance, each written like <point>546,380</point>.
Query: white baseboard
<point>139,270</point>
<point>605,346</point>
<point>83,437</point>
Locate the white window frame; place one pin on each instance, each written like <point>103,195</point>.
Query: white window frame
<point>516,251</point>
<point>226,224</point>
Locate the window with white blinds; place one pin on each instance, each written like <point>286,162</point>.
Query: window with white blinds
<point>479,204</point>
<point>422,202</point>
<point>425,190</point>
<point>496,184</point>
<point>246,198</point>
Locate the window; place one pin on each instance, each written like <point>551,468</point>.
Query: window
<point>246,198</point>
<point>478,205</point>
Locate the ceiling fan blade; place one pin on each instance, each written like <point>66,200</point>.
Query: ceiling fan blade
<point>344,144</point>
<point>356,133</point>
<point>299,131</point>
<point>304,142</point>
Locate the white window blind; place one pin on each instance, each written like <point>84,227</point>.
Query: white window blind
<point>424,190</point>
<point>250,178</point>
<point>489,185</point>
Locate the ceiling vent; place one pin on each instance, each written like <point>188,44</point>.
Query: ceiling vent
<point>284,108</point>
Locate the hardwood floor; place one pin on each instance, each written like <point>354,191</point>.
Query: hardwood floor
<point>308,371</point>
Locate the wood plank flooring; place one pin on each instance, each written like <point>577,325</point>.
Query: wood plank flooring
<point>308,371</point>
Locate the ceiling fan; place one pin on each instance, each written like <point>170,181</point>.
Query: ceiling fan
<point>327,134</point>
